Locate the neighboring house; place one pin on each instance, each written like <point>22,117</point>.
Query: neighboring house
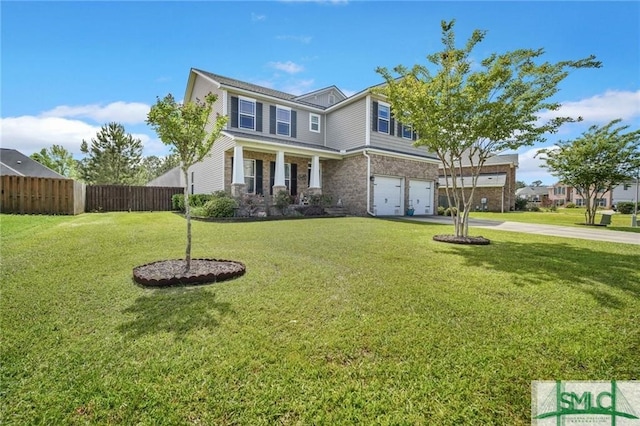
<point>535,194</point>
<point>560,194</point>
<point>15,163</point>
<point>348,148</point>
<point>496,185</point>
<point>172,178</point>
<point>625,192</point>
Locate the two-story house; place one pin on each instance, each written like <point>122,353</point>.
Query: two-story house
<point>323,142</point>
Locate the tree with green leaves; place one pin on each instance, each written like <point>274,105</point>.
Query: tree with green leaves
<point>466,112</point>
<point>154,166</point>
<point>185,128</point>
<point>600,159</point>
<point>58,159</point>
<point>113,158</point>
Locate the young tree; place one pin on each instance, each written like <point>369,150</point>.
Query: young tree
<point>595,162</point>
<point>466,112</point>
<point>113,157</point>
<point>58,159</point>
<point>185,128</point>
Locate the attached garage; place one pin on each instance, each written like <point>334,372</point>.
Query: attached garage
<point>421,196</point>
<point>387,196</point>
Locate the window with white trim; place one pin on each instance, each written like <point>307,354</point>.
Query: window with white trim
<point>283,121</point>
<point>384,115</point>
<point>246,113</point>
<point>250,176</point>
<point>314,123</point>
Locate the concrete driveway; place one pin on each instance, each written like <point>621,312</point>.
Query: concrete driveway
<point>584,233</point>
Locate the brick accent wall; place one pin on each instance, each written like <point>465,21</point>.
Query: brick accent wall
<point>347,179</point>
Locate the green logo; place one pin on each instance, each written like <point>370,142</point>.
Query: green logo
<point>580,402</point>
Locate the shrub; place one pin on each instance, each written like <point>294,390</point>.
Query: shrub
<point>625,207</point>
<point>250,205</point>
<point>310,210</point>
<point>450,211</point>
<point>195,200</point>
<point>570,206</point>
<point>533,208</point>
<point>521,204</point>
<point>282,200</point>
<point>553,208</point>
<point>220,207</point>
<point>441,210</point>
<point>320,200</point>
<point>177,202</point>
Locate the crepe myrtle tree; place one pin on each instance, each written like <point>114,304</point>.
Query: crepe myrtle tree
<point>466,111</point>
<point>601,158</point>
<point>187,129</point>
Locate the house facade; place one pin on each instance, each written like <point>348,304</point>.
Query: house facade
<point>349,149</point>
<point>496,186</point>
<point>538,195</point>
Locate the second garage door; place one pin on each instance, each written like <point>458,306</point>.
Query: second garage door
<point>387,196</point>
<point>421,196</point>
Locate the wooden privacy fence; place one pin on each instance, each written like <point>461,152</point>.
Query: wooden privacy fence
<point>118,198</point>
<point>35,195</point>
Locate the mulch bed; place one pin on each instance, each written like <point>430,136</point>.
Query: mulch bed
<point>167,273</point>
<point>452,239</point>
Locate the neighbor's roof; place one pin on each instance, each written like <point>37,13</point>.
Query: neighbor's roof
<point>15,163</point>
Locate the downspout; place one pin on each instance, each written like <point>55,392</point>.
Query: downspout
<point>368,182</point>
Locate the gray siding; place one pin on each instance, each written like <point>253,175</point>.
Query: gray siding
<point>303,134</point>
<point>202,88</point>
<point>346,127</point>
<point>208,175</point>
<point>322,98</point>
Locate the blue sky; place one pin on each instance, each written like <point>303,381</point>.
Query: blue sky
<point>70,67</point>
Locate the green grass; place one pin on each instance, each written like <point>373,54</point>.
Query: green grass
<point>562,217</point>
<point>337,321</point>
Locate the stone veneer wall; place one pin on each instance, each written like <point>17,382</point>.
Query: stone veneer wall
<point>347,179</point>
<point>493,194</point>
<point>302,175</point>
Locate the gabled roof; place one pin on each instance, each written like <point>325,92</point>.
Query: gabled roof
<point>324,90</point>
<point>15,163</point>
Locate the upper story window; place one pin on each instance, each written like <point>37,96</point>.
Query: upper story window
<point>314,123</point>
<point>407,132</point>
<point>384,115</point>
<point>332,99</point>
<point>283,121</point>
<point>247,113</point>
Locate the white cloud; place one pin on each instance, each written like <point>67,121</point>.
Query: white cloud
<point>529,167</point>
<point>29,134</point>
<point>298,87</point>
<point>601,108</point>
<point>288,67</point>
<point>121,112</point>
<point>300,39</point>
<point>257,18</point>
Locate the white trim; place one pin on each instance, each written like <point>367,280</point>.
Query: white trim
<point>238,165</point>
<point>278,179</point>
<point>311,116</point>
<point>388,106</point>
<point>255,110</point>
<point>224,106</point>
<point>367,134</point>
<point>272,99</point>
<point>268,146</point>
<point>284,108</point>
<point>395,155</point>
<point>9,167</point>
<point>315,172</point>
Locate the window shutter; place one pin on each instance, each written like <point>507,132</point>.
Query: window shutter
<point>272,119</point>
<point>234,111</point>
<point>231,174</point>
<point>259,189</point>
<point>272,176</point>
<point>258,116</point>
<point>415,136</point>
<point>294,124</point>
<point>392,126</point>
<point>294,179</point>
<point>399,132</point>
<point>374,118</point>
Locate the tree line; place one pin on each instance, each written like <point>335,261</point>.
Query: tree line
<point>112,157</point>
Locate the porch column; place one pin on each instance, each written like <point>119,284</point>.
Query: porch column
<point>314,184</point>
<point>237,183</point>
<point>278,179</point>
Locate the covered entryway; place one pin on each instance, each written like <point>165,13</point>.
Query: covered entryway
<point>387,196</point>
<point>421,196</point>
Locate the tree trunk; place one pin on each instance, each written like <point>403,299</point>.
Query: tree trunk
<point>187,210</point>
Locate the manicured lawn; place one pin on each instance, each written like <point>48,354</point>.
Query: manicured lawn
<point>562,217</point>
<point>337,321</point>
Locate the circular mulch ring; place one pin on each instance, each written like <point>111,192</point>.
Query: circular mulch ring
<point>477,241</point>
<point>165,273</point>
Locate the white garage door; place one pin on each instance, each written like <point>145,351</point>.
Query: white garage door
<point>387,196</point>
<point>421,196</point>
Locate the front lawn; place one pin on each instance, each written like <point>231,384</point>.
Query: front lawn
<point>337,321</point>
<point>561,217</point>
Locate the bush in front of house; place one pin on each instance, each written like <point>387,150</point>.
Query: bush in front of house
<point>521,204</point>
<point>310,210</point>
<point>625,207</point>
<point>570,206</point>
<point>441,210</point>
<point>220,205</point>
<point>195,200</point>
<point>450,211</point>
